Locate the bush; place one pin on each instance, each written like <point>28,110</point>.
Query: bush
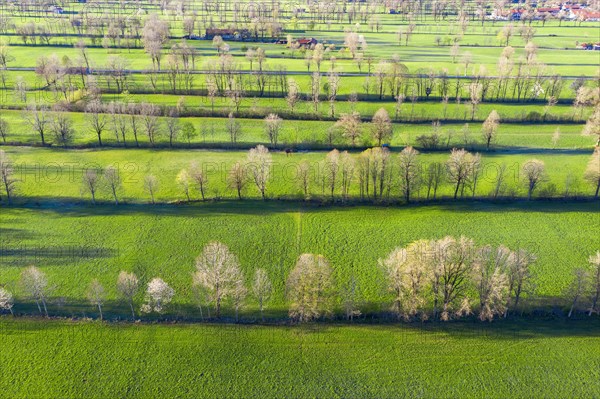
<point>430,142</point>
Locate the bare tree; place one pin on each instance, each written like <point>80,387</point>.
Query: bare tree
<point>127,288</point>
<point>310,288</point>
<point>434,177</point>
<point>331,169</point>
<point>459,167</point>
<point>259,163</point>
<point>96,118</point>
<point>4,129</point>
<point>594,274</point>
<point>454,263</point>
<point>293,95</point>
<point>351,299</point>
<point>96,295</point>
<point>534,172</point>
<point>154,35</point>
<point>62,128</point>
<point>519,277</point>
<point>184,182</point>
<point>90,181</point>
<point>237,178</point>
<point>37,118</point>
<point>262,289</point>
<point>158,295</point>
<point>350,125</point>
<point>592,172</point>
<point>406,271</point>
<point>199,178</point>
<point>577,288</point>
<point>173,128</point>
<point>382,126</point>
<point>234,128</point>
<point>273,127</point>
<point>490,128</point>
<point>7,176</point>
<point>6,300</point>
<point>113,182</point>
<point>149,114</point>
<point>475,90</point>
<point>304,178</point>
<point>409,171</point>
<point>151,186</point>
<point>218,271</point>
<point>592,126</point>
<point>35,285</point>
<point>491,280</point>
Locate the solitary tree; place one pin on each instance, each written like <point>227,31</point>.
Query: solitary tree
<point>262,289</point>
<point>310,288</point>
<point>218,271</point>
<point>35,285</point>
<point>490,128</point>
<point>534,172</point>
<point>259,164</point>
<point>96,295</point>
<point>381,126</point>
<point>127,287</point>
<point>158,295</point>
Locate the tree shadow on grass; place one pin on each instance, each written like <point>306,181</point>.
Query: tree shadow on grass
<point>75,207</point>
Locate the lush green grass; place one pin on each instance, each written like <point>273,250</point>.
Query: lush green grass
<point>75,244</point>
<point>43,359</point>
<point>57,173</point>
<point>307,133</point>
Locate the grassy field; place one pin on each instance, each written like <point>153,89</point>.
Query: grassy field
<point>49,359</point>
<point>75,244</point>
<point>57,174</point>
<point>306,133</point>
<point>52,223</point>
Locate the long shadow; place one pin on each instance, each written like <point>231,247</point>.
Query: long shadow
<point>512,328</point>
<point>75,206</point>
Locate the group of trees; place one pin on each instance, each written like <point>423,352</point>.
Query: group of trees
<point>130,121</point>
<point>380,176</point>
<point>428,279</point>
